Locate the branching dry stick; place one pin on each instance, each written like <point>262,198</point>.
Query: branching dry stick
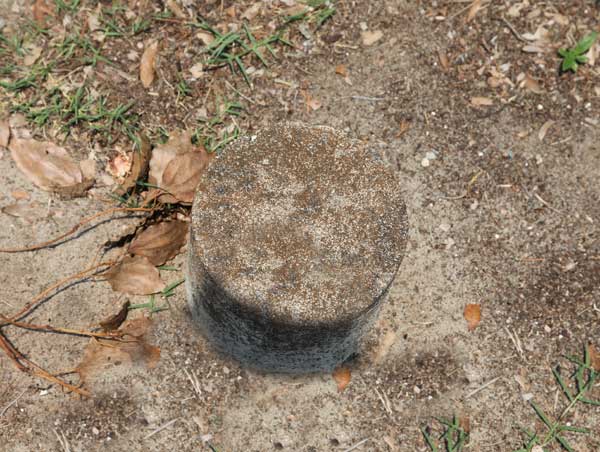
<point>31,368</point>
<point>43,294</point>
<point>76,228</point>
<point>54,329</point>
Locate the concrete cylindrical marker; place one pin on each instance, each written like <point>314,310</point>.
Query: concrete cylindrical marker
<point>297,234</point>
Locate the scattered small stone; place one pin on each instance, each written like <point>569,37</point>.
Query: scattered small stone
<point>95,431</point>
<point>444,227</point>
<point>547,329</point>
<point>527,396</point>
<point>425,162</point>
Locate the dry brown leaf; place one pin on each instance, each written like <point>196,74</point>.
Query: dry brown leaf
<point>340,69</point>
<point>41,11</point>
<point>371,37</point>
<point>443,60</point>
<point>544,129</point>
<point>594,357</point>
<point>4,133</point>
<point>179,142</point>
<point>33,53</point>
<point>473,10</point>
<point>147,64</point>
<point>342,377</point>
<point>19,194</point>
<point>102,356</point>
<point>160,242</point>
<point>472,315</point>
<point>230,11</point>
<point>45,164</point>
<point>531,84</point>
<point>205,37</point>
<point>481,101</point>
<point>114,321</point>
<point>135,276</point>
<point>197,70</point>
<point>174,6</point>
<point>139,167</point>
<point>182,175</point>
<point>403,128</point>
<point>251,12</point>
<point>29,212</point>
<point>464,423</point>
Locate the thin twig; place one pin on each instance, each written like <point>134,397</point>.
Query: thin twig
<point>75,228</point>
<point>512,29</point>
<point>42,295</point>
<point>5,409</point>
<point>161,428</point>
<point>53,329</point>
<point>31,368</point>
<point>357,445</point>
<point>481,388</point>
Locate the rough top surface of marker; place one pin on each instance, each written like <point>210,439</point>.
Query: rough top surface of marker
<point>300,224</point>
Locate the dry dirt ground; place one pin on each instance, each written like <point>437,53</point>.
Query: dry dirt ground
<point>499,217</point>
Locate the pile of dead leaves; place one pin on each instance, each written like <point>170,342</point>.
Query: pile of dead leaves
<point>160,182</point>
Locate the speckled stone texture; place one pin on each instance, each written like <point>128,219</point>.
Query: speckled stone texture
<point>297,234</point>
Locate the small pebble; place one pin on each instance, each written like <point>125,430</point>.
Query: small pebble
<point>444,227</point>
<point>425,162</point>
<point>95,431</point>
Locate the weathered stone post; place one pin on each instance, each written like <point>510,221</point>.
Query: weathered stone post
<point>297,234</point>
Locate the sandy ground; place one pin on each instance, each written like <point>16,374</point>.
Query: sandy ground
<point>498,218</point>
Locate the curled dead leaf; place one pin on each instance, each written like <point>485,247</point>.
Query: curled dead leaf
<point>40,11</point>
<point>136,276</point>
<point>33,53</point>
<point>251,12</point>
<point>594,357</point>
<point>544,129</point>
<point>114,321</point>
<point>342,376</point>
<point>147,64</point>
<point>472,315</point>
<point>160,242</point>
<point>443,58</point>
<point>182,175</point>
<point>139,167</point>
<point>45,164</point>
<point>179,142</point>
<point>104,356</point>
<point>531,84</point>
<point>340,69</point>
